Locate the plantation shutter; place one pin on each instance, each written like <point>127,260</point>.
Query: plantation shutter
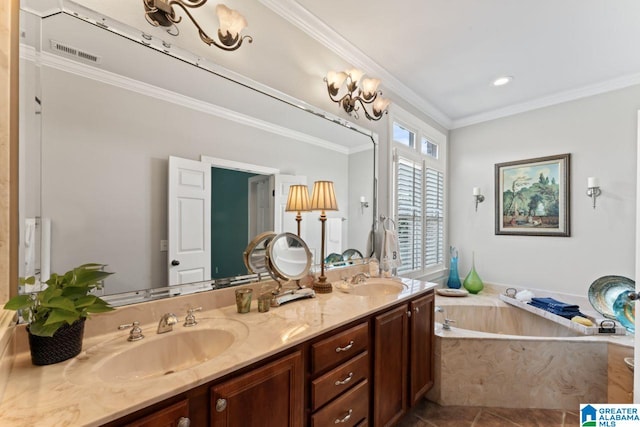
<point>409,220</point>
<point>434,218</point>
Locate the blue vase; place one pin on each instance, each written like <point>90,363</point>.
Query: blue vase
<point>454,278</point>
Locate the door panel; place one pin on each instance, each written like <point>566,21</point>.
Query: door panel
<point>189,248</point>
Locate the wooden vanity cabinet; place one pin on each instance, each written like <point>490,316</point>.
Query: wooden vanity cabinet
<point>403,360</point>
<point>369,372</point>
<point>339,378</point>
<point>176,415</point>
<point>421,337</point>
<point>269,396</point>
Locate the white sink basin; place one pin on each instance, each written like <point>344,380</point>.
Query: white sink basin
<point>156,355</point>
<point>373,287</point>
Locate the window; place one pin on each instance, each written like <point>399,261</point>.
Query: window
<point>429,148</point>
<point>403,136</point>
<point>419,198</point>
<point>409,219</point>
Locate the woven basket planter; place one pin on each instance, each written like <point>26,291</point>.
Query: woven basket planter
<point>64,344</point>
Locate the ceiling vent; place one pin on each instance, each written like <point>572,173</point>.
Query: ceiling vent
<point>72,51</point>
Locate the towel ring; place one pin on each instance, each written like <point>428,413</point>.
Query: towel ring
<point>385,220</point>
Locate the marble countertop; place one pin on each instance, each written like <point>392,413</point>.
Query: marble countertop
<point>56,395</point>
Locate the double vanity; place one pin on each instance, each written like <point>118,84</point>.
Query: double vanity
<point>356,356</point>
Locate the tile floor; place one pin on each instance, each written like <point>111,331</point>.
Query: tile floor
<point>429,414</point>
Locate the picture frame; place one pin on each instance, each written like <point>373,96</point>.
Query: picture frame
<point>532,197</point>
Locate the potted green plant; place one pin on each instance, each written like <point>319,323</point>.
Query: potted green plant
<point>56,315</point>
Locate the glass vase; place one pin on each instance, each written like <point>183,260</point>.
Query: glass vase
<point>454,278</point>
<point>473,282</point>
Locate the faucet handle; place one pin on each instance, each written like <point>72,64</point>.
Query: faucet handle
<point>135,334</point>
<point>190,320</point>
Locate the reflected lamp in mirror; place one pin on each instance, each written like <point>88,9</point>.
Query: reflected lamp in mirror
<point>477,195</point>
<point>593,189</point>
<point>359,92</point>
<point>162,13</point>
<point>323,198</point>
<point>298,201</point>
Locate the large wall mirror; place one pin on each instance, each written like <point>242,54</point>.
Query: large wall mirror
<point>101,115</point>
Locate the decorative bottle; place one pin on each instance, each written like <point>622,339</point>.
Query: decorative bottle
<point>454,279</point>
<point>473,282</point>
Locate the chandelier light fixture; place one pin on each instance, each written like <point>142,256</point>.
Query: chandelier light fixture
<point>357,90</point>
<point>161,13</point>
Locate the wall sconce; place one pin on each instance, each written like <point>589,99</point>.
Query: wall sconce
<point>477,196</point>
<point>298,201</point>
<point>323,198</point>
<point>161,13</point>
<point>593,189</point>
<point>363,91</point>
<point>363,203</point>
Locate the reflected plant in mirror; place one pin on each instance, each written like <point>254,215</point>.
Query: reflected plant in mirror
<point>123,155</point>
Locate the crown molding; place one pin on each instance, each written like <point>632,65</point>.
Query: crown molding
<point>297,15</point>
<point>547,101</point>
<point>113,79</point>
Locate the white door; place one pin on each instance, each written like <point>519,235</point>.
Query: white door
<point>285,221</point>
<point>189,221</point>
<point>260,206</point>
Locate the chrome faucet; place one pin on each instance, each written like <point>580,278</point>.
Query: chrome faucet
<point>166,323</point>
<point>447,322</point>
<point>359,278</point>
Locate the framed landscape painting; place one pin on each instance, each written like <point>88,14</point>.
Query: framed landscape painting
<point>532,196</point>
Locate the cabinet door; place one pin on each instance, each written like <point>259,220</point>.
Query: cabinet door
<point>390,366</point>
<point>421,327</point>
<point>269,396</point>
<point>171,416</point>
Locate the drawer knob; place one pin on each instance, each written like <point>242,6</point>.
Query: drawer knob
<point>345,348</point>
<point>184,422</point>
<point>221,405</point>
<point>346,380</point>
<point>409,313</point>
<point>417,309</point>
<point>345,418</point>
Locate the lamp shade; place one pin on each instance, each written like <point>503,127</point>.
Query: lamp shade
<point>298,199</point>
<point>380,105</point>
<point>231,21</point>
<point>323,197</point>
<point>369,87</point>
<point>336,79</point>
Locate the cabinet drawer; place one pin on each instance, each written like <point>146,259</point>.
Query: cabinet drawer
<point>348,410</point>
<point>336,381</point>
<point>339,347</point>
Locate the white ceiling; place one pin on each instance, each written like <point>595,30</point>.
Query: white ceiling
<point>442,55</point>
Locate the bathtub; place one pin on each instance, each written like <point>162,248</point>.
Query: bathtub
<point>497,355</point>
